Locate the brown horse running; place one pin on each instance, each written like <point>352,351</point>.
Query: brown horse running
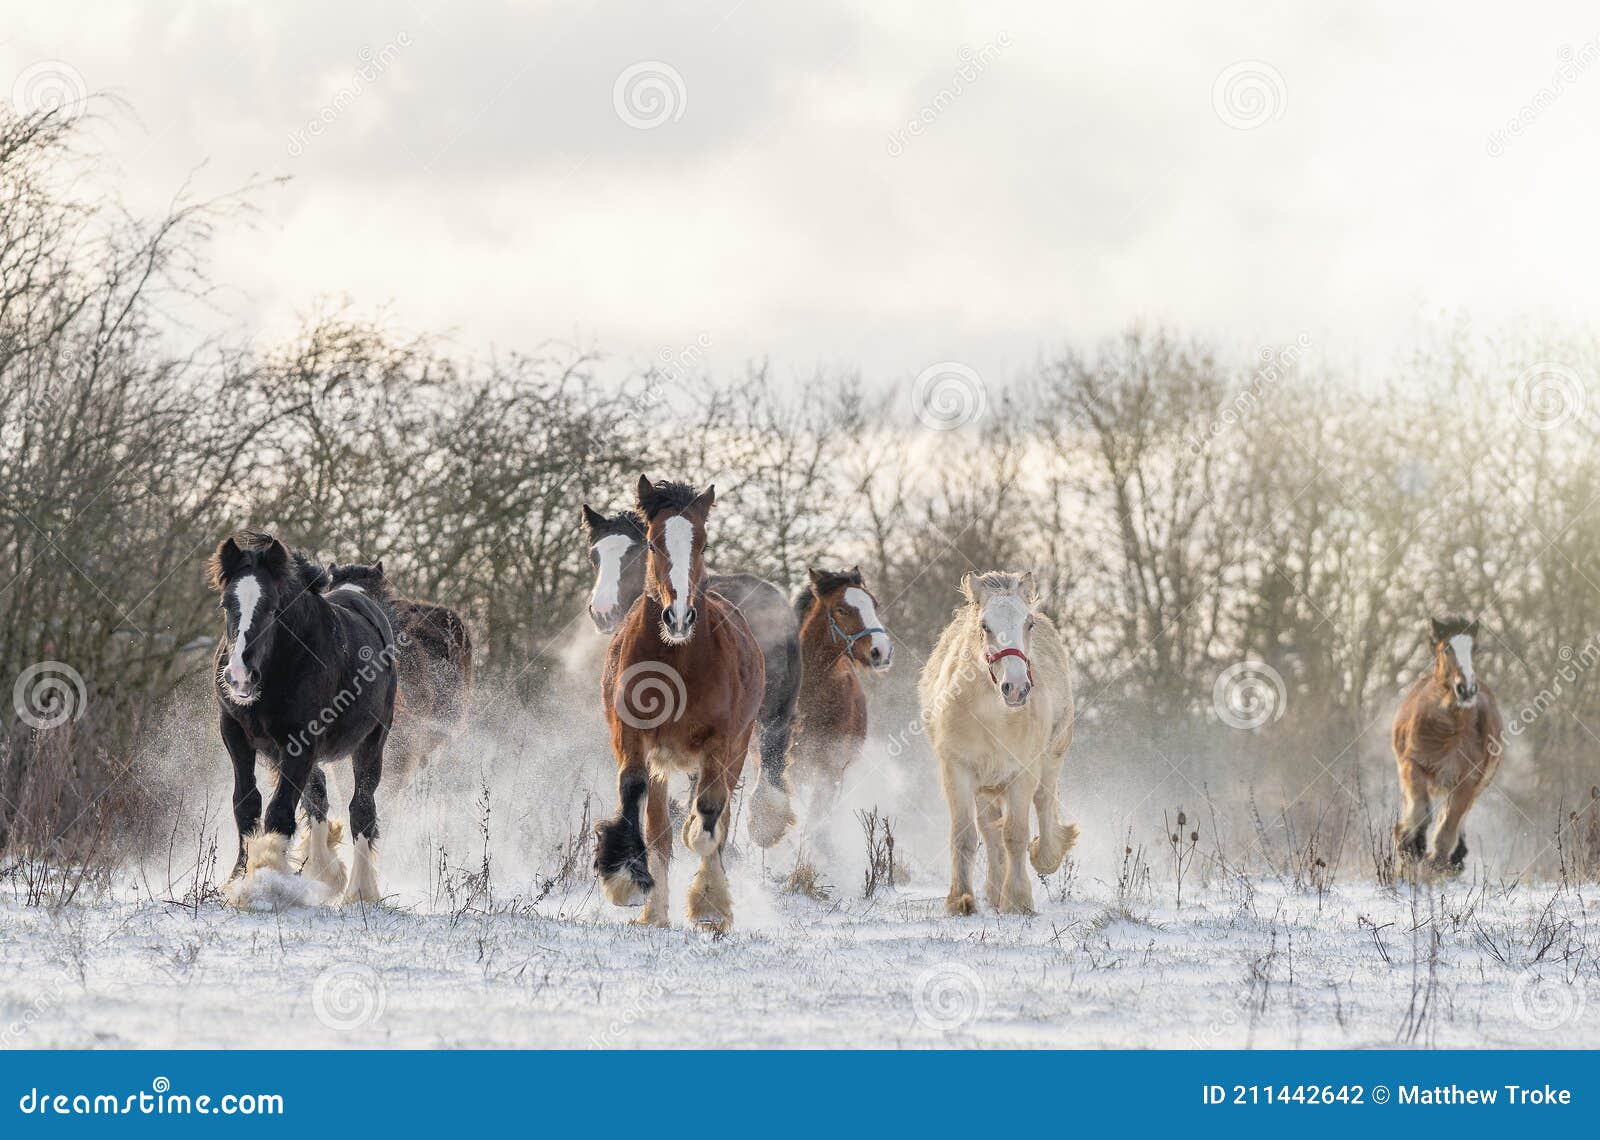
<point>1448,740</point>
<point>839,637</point>
<point>683,682</point>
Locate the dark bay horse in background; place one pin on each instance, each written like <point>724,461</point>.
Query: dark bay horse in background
<point>1448,741</point>
<point>617,552</point>
<point>683,686</point>
<point>435,665</point>
<point>302,678</point>
<point>840,636</point>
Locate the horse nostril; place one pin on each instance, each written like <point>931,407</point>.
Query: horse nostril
<point>689,616</point>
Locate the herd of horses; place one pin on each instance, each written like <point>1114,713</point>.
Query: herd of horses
<point>320,663</point>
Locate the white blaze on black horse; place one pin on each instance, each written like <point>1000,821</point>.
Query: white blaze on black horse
<point>617,550</point>
<point>303,679</point>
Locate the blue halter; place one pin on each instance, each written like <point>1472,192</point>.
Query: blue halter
<point>849,639</point>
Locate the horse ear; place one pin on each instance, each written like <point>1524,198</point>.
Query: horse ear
<point>642,491</point>
<point>377,567</point>
<point>854,574</point>
<point>1029,587</point>
<point>1472,629</point>
<point>704,501</point>
<point>592,518</point>
<point>967,587</point>
<point>816,577</point>
<point>223,563</point>
<point>1437,628</point>
<point>275,557</point>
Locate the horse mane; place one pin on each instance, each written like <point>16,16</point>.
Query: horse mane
<point>369,578</point>
<point>665,495</point>
<point>299,567</point>
<point>802,603</point>
<point>1452,625</point>
<point>997,582</point>
<point>630,522</point>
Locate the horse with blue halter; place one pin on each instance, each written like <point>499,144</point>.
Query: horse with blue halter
<point>303,678</point>
<point>840,638</point>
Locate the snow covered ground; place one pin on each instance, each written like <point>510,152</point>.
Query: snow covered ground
<point>1258,965</point>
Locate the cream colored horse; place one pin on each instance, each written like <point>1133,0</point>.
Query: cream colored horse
<point>997,701</point>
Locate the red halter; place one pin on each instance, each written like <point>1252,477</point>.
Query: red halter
<point>991,658</point>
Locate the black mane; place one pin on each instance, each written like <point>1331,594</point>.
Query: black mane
<point>629,522</point>
<point>665,496</point>
<point>1453,625</point>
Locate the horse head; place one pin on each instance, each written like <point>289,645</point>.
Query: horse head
<point>617,553</point>
<point>852,614</point>
<point>1453,642</point>
<point>675,568</point>
<point>1003,606</point>
<point>257,578</point>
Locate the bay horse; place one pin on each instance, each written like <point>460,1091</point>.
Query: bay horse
<point>1448,741</point>
<point>996,698</point>
<point>435,664</point>
<point>617,547</point>
<point>302,678</point>
<point>682,687</point>
<point>840,638</point>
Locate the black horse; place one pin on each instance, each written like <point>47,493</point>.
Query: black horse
<point>303,678</point>
<point>617,547</point>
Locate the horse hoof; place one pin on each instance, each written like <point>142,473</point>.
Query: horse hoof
<point>623,888</point>
<point>961,904</point>
<point>646,918</point>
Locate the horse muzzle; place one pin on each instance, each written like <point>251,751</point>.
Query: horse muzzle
<point>678,629</point>
<point>1015,694</point>
<point>1466,695</point>
<point>606,623</point>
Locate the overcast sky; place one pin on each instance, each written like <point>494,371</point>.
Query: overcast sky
<point>646,176</point>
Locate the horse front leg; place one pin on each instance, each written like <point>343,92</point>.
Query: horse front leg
<point>658,843</point>
<point>620,858</point>
<point>366,764</point>
<point>1411,833</point>
<point>318,855</point>
<point>771,807</point>
<point>1047,852</point>
<point>1449,847</point>
<point>959,792</point>
<point>1017,894</point>
<point>705,831</point>
<point>991,814</point>
<point>246,795</point>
